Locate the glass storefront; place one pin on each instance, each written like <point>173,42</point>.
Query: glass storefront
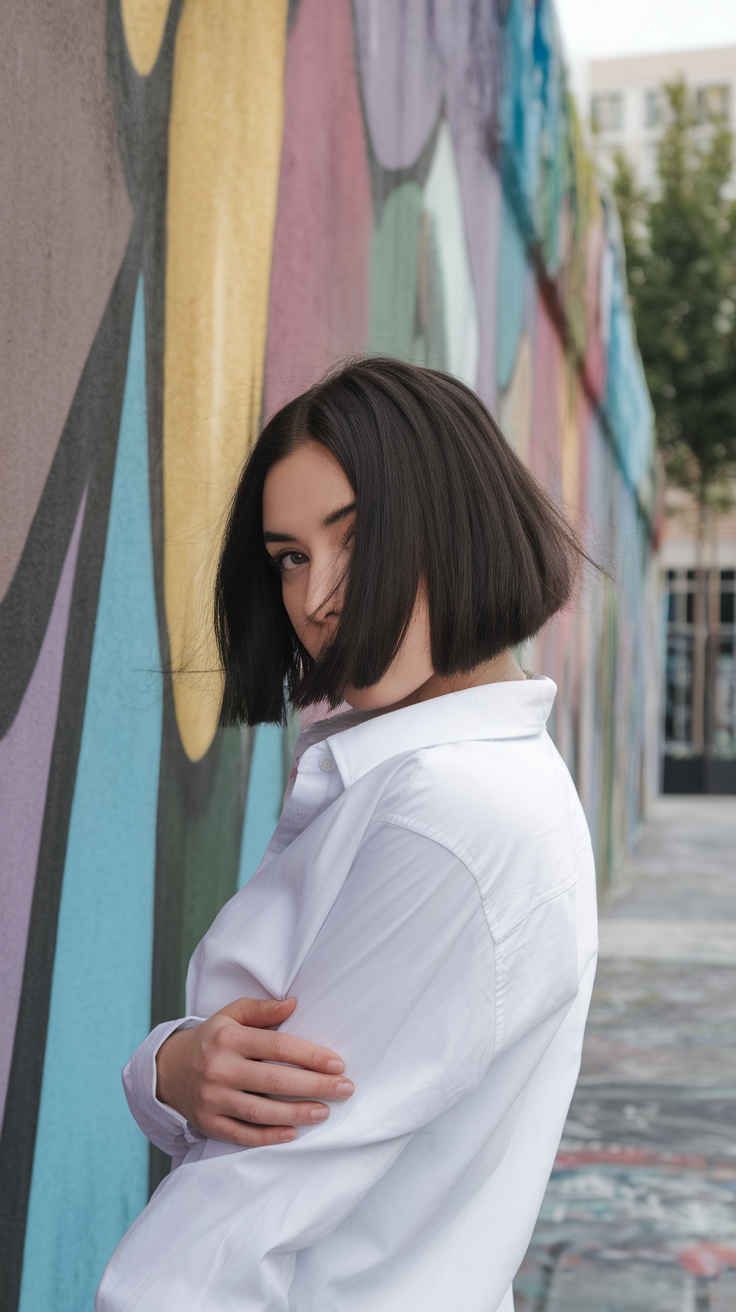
<point>700,706</point>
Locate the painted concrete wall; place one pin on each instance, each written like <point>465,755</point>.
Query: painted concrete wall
<point>204,203</point>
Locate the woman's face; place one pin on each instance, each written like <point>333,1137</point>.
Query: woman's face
<point>308,517</point>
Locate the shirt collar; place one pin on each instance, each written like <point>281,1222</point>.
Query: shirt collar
<point>514,709</point>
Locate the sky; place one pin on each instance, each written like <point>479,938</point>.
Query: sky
<point>598,29</point>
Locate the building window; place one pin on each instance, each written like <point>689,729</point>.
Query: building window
<point>652,109</point>
<point>712,102</point>
<point>607,111</point>
<point>716,686</point>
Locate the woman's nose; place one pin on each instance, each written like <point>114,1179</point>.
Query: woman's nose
<point>323,600</point>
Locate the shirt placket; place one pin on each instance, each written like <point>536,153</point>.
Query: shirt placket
<point>317,783</point>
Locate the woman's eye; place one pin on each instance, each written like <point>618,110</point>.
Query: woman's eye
<point>291,560</point>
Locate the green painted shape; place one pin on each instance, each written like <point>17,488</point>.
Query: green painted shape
<point>394,281</point>
<point>431,346</point>
<point>200,824</point>
<point>200,828</point>
<point>407,310</point>
<point>265,796</point>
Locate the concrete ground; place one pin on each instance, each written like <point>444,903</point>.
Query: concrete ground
<point>640,1213</point>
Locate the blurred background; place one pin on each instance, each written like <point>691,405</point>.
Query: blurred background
<point>203,205</point>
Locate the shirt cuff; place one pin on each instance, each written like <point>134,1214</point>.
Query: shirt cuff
<point>164,1126</point>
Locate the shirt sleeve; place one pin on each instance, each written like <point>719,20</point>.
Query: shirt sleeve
<point>164,1126</point>
<point>400,981</point>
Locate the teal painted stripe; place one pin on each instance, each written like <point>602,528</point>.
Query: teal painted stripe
<point>265,795</point>
<point>91,1161</point>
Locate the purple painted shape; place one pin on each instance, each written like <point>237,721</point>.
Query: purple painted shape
<point>411,56</point>
<point>322,243</point>
<point>25,758</point>
<point>400,74</point>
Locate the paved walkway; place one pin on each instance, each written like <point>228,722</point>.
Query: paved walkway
<point>640,1214</point>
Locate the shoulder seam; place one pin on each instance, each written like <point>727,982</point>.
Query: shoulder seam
<point>441,840</point>
<point>455,849</point>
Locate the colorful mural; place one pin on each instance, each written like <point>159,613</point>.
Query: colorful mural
<point>204,203</point>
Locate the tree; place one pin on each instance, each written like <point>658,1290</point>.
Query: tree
<point>681,256</point>
<point>680,244</point>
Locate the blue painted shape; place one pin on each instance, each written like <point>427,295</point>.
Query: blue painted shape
<point>512,277</point>
<point>627,404</point>
<point>265,795</point>
<point>90,1173</point>
<point>534,123</point>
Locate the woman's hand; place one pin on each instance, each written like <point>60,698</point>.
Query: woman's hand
<point>221,1075</point>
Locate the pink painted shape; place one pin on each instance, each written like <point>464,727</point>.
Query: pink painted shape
<point>544,462</point>
<point>25,758</point>
<point>544,447</point>
<point>322,243</point>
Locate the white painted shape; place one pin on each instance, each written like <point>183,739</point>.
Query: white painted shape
<point>443,202</point>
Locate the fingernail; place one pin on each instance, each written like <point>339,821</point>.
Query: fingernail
<point>344,1089</point>
<point>319,1114</point>
<point>336,1067</point>
<point>286,1136</point>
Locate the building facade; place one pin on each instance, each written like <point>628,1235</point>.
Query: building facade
<point>626,106</point>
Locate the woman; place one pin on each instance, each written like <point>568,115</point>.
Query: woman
<point>427,897</point>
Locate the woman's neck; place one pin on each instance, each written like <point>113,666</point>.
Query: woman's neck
<point>502,669</point>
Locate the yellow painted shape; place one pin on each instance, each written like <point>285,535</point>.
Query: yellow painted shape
<point>515,409</point>
<point>144,22</point>
<point>224,152</point>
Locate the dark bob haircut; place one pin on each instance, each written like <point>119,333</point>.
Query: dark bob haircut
<point>440,497</point>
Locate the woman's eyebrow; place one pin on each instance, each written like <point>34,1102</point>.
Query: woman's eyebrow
<point>327,522</point>
<point>337,515</point>
<point>279,537</point>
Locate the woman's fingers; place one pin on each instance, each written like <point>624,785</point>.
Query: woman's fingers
<point>250,1121</point>
<point>291,1082</point>
<point>265,1045</point>
<point>249,1136</point>
<point>251,1108</point>
<point>259,1012</point>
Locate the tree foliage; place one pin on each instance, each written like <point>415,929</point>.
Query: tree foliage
<point>680,246</point>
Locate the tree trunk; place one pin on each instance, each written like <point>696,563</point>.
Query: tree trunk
<point>700,635</point>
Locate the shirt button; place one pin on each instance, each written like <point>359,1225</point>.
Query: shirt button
<point>326,763</point>
<point>298,818</point>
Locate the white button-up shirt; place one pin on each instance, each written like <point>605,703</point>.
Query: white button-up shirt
<point>429,898</point>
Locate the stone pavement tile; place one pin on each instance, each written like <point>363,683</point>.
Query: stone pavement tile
<point>722,1293</point>
<point>684,867</point>
<point>639,1238</point>
<point>712,942</point>
<point>640,1212</point>
<point>679,1124</point>
<point>695,825</point>
<point>581,1284</point>
<point>661,1024</point>
<point>664,892</point>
